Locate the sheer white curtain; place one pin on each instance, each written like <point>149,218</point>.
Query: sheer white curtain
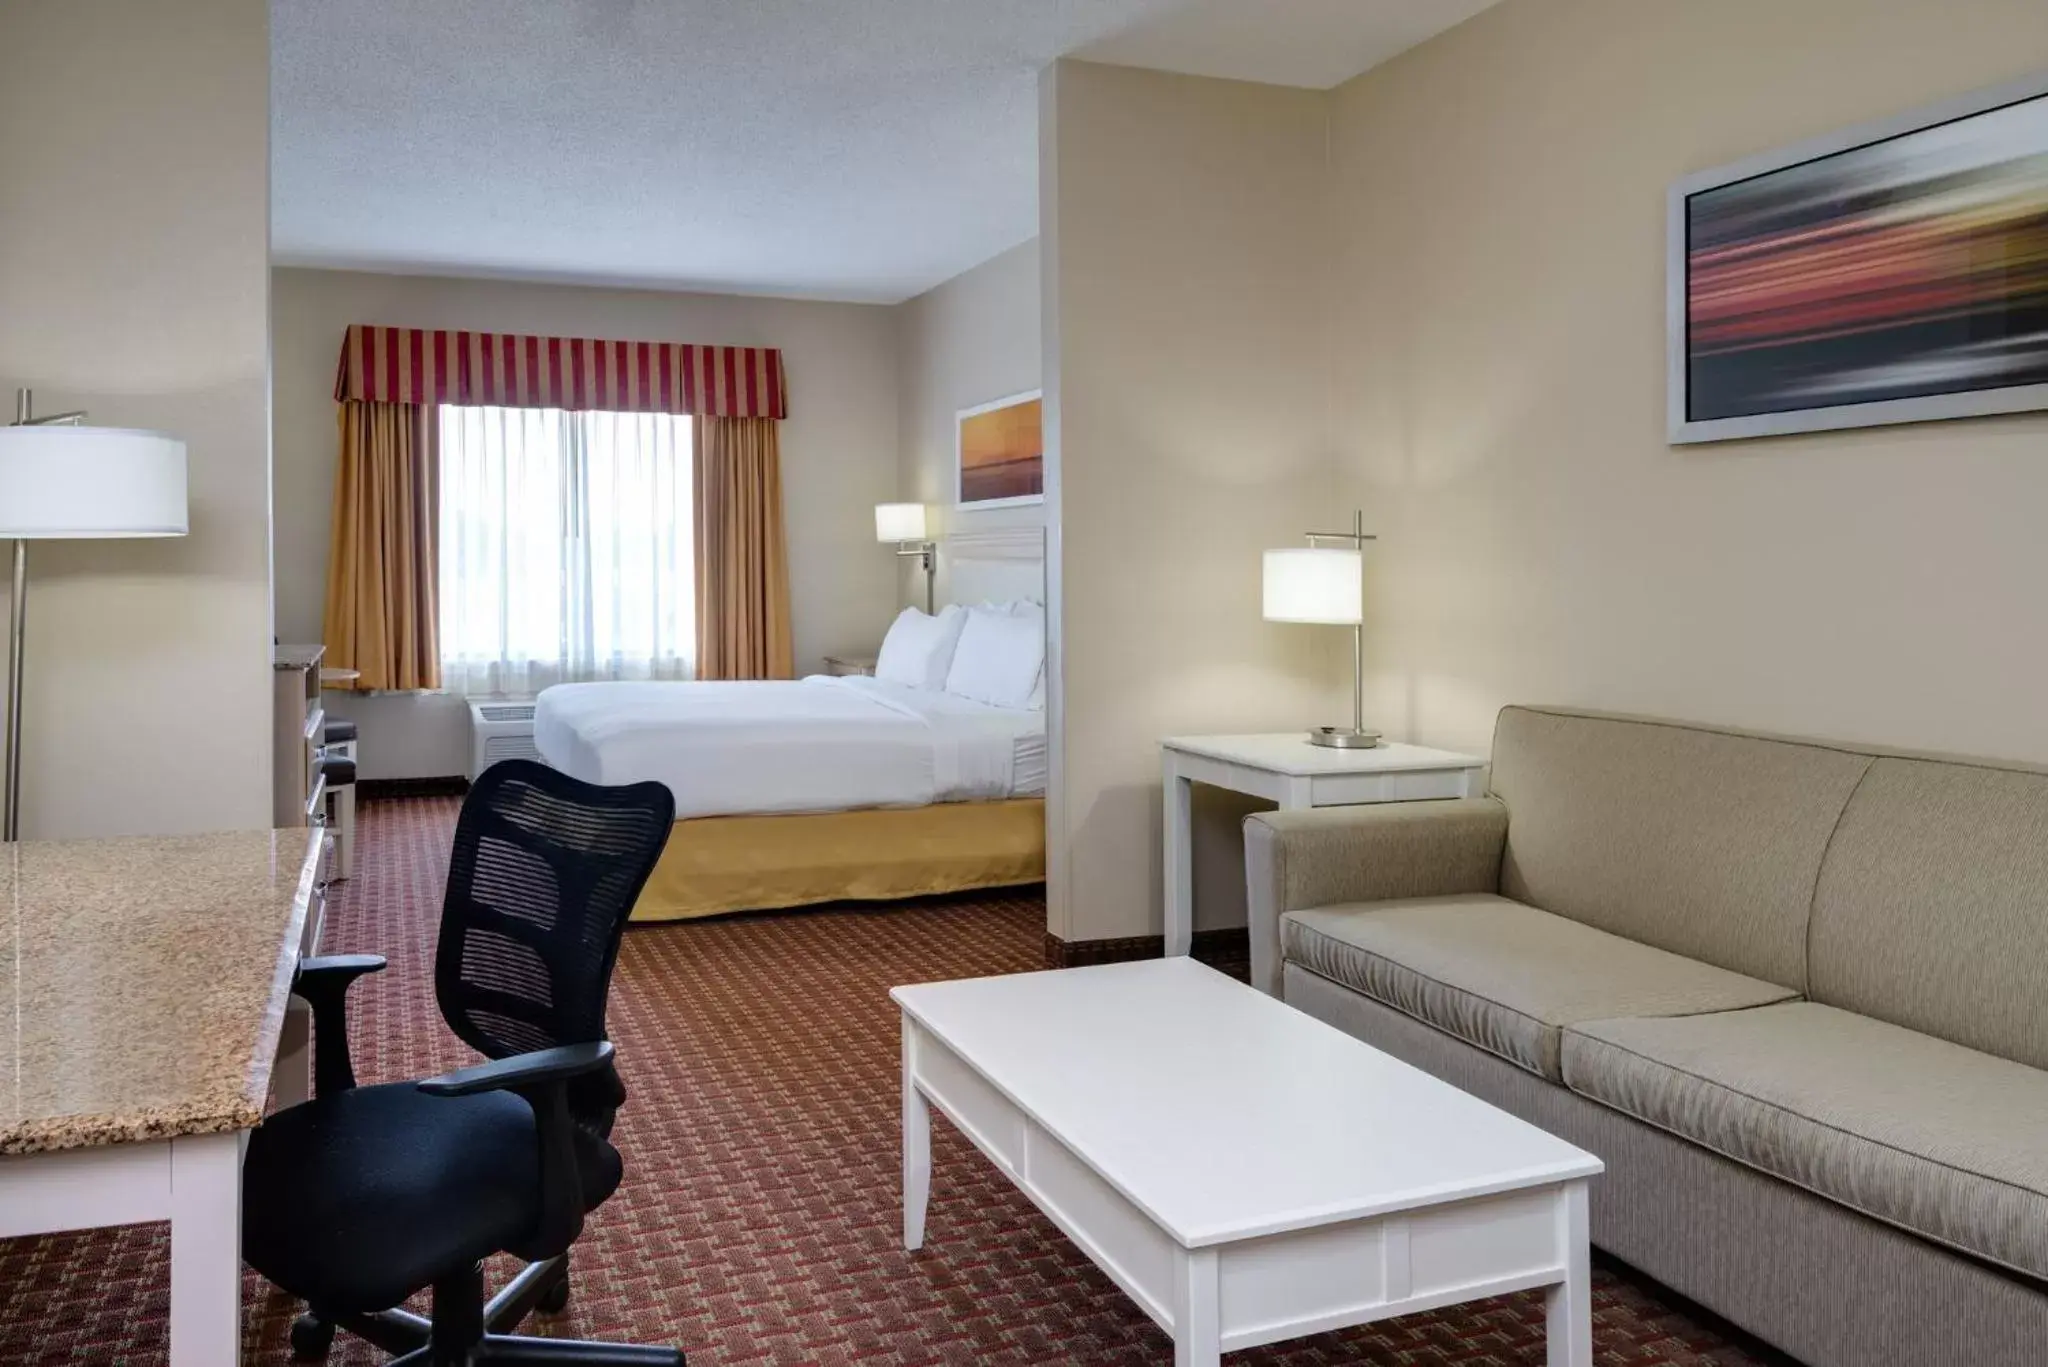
<point>565,548</point>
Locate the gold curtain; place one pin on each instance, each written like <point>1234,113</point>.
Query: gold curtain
<point>742,558</point>
<point>383,563</point>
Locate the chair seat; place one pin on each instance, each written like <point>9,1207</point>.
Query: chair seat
<point>1937,1139</point>
<point>1503,975</point>
<point>357,1200</point>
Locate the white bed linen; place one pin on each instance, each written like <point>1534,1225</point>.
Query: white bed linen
<point>811,745</point>
<point>1028,766</point>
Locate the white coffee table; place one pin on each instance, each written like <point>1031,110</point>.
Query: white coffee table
<point>1243,1172</point>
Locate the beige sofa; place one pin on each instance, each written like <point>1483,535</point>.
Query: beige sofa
<point>1795,995</point>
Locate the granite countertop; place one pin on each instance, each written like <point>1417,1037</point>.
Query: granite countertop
<point>143,982</point>
<point>295,656</point>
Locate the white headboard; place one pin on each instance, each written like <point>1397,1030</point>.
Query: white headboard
<point>992,566</point>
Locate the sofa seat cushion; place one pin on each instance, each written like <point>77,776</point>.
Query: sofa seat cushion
<point>1934,1138</point>
<point>1503,975</point>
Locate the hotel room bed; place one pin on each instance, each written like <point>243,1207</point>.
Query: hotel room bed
<point>791,793</point>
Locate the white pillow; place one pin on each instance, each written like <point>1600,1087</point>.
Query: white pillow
<point>999,658</point>
<point>918,651</point>
<point>1031,607</point>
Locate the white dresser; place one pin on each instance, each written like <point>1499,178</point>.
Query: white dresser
<point>299,727</point>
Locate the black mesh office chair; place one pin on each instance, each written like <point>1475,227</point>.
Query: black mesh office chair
<point>363,1196</point>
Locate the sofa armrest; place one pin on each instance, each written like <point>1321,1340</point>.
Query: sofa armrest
<point>1374,853</point>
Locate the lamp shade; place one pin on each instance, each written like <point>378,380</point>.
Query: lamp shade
<point>1315,584</point>
<point>899,522</point>
<point>63,483</point>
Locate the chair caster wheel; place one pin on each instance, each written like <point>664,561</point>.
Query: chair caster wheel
<point>311,1338</point>
<point>555,1299</point>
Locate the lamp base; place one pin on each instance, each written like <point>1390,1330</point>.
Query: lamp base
<point>1343,738</point>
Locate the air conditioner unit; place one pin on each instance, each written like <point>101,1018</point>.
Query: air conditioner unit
<point>499,730</point>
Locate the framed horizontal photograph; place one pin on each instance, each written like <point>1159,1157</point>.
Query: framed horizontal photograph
<point>1895,272</point>
<point>999,457</point>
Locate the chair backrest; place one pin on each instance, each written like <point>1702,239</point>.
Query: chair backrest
<point>545,870</point>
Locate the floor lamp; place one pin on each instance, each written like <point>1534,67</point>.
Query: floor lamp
<point>61,481</point>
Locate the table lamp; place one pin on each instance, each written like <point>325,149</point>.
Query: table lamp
<point>63,482</point>
<point>904,524</point>
<point>1325,585</point>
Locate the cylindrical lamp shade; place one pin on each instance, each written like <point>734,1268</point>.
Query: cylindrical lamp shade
<point>899,522</point>
<point>1315,584</point>
<point>66,483</point>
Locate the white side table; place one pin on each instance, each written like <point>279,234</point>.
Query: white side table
<point>1286,769</point>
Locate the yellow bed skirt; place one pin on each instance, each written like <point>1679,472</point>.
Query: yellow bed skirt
<point>718,864</point>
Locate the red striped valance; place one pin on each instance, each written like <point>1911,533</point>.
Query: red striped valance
<point>425,365</point>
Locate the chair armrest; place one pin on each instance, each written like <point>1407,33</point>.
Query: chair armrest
<point>324,981</point>
<point>542,1078</point>
<point>522,1070</point>
<point>338,968</point>
<point>1373,853</point>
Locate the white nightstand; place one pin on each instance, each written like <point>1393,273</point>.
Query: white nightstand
<point>1286,769</point>
<point>844,665</point>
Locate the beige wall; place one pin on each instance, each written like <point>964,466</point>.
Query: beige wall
<point>970,340</point>
<point>1184,230</point>
<point>134,279</point>
<point>839,450</point>
<point>1500,367</point>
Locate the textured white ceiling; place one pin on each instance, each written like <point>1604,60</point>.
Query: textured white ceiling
<point>843,149</point>
<point>1314,43</point>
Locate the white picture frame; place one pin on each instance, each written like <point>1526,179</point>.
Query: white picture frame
<point>960,420</point>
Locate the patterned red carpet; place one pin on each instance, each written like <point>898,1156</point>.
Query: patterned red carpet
<point>759,1219</point>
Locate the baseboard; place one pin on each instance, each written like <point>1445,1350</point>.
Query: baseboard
<point>367,788</point>
<point>1227,950</point>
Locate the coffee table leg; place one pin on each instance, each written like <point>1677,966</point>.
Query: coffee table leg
<point>917,1149</point>
<point>1569,1304</point>
<point>1197,1327</point>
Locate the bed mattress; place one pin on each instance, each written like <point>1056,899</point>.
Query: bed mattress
<point>809,745</point>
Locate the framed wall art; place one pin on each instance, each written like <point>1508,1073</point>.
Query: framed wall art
<point>999,457</point>
<point>1895,272</point>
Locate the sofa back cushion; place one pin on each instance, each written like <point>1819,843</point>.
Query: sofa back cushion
<point>1932,907</point>
<point>1701,842</point>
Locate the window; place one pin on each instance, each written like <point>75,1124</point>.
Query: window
<point>565,548</point>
